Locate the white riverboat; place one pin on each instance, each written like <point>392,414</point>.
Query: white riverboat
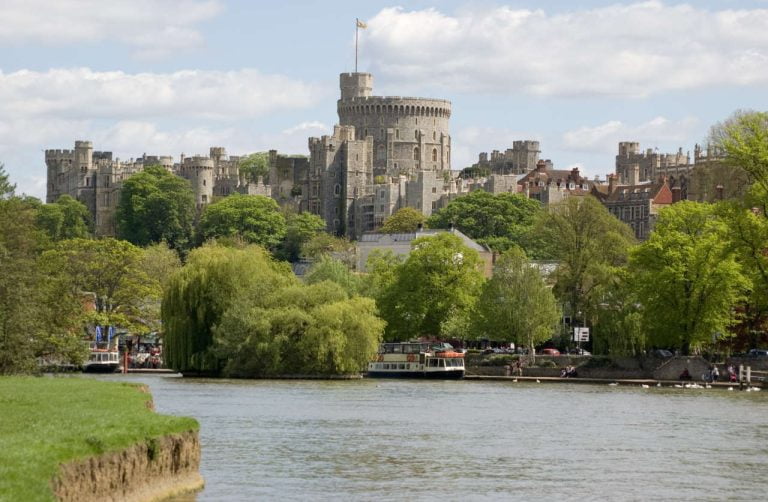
<point>103,358</point>
<point>417,360</point>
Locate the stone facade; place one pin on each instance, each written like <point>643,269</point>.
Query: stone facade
<point>702,178</point>
<point>552,186</point>
<point>95,178</point>
<point>637,204</point>
<point>520,159</point>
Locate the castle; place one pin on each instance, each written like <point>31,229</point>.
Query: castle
<point>387,152</point>
<point>95,178</point>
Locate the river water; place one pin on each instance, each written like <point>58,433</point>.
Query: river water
<point>467,440</point>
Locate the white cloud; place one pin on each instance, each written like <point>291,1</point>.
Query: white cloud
<point>84,93</point>
<point>605,137</point>
<point>308,126</point>
<point>621,50</point>
<point>154,29</point>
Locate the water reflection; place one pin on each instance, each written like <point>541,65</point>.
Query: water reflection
<point>388,440</point>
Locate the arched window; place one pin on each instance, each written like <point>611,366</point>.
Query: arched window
<point>434,155</point>
<point>416,153</point>
<point>337,189</point>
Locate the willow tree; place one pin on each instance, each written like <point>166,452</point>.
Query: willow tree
<point>516,305</point>
<point>198,294</point>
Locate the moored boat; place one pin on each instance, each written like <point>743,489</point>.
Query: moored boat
<point>417,360</point>
<point>103,358</point>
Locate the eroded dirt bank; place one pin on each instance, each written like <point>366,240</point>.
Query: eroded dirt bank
<point>151,470</point>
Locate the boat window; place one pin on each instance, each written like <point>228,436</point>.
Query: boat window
<point>386,366</point>
<point>402,366</point>
<point>397,349</point>
<point>433,362</point>
<point>442,363</point>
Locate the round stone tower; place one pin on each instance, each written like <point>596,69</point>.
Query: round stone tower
<point>199,172</point>
<point>409,134</point>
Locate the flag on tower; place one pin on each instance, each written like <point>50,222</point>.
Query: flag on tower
<point>361,24</point>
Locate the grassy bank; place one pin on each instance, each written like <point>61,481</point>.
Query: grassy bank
<point>48,421</point>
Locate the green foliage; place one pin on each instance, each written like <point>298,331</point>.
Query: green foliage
<point>39,314</point>
<point>515,304</point>
<point>199,294</point>
<point>616,321</point>
<point>300,229</point>
<point>381,267</point>
<point>329,269</point>
<point>238,312</point>
<point>475,172</point>
<point>403,220</point>
<point>115,271</point>
<point>67,218</point>
<point>325,244</point>
<point>47,422</point>
<point>744,140</point>
<point>748,237</point>
<point>6,187</point>
<point>687,277</point>
<point>156,205</point>
<point>254,166</point>
<point>255,218</point>
<point>590,244</point>
<point>499,221</point>
<point>301,330</point>
<point>439,280</point>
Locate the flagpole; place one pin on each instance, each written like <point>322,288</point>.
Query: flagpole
<point>357,28</point>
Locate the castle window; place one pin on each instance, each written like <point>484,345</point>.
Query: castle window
<point>381,152</point>
<point>434,136</point>
<point>366,132</point>
<point>434,155</point>
<point>205,199</point>
<point>395,165</point>
<point>434,189</point>
<point>203,182</point>
<point>397,133</point>
<point>337,189</point>
<point>417,121</point>
<point>416,153</point>
<point>416,134</point>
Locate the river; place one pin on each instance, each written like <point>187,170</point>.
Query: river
<point>466,440</point>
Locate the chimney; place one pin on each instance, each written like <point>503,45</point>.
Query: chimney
<point>541,166</point>
<point>611,183</point>
<point>575,174</point>
<point>675,194</point>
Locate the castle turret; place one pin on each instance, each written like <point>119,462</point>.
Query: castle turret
<point>84,155</point>
<point>199,171</point>
<point>356,85</point>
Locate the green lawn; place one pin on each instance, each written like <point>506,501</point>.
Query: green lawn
<point>45,421</point>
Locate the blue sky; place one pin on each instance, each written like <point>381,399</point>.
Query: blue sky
<point>172,76</point>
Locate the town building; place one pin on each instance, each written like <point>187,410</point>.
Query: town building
<point>400,245</point>
<point>552,186</point>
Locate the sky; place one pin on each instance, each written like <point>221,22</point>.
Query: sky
<point>164,77</point>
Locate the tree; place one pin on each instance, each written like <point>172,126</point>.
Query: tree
<point>617,324</point>
<point>113,270</point>
<point>156,205</point>
<point>39,317</point>
<point>67,218</point>
<point>747,235</point>
<point>744,139</point>
<point>255,218</point>
<point>325,244</point>
<point>200,293</point>
<point>687,278</point>
<point>329,269</point>
<point>516,305</point>
<point>299,330</point>
<point>439,280</point>
<point>589,243</point>
<point>255,166</point>
<point>498,221</point>
<point>300,229</point>
<point>6,187</point>
<point>403,220</point>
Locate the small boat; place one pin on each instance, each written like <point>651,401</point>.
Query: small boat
<point>417,360</point>
<point>103,358</point>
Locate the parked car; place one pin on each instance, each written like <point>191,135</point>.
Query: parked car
<point>580,352</point>
<point>757,353</point>
<point>550,352</point>
<point>662,353</point>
